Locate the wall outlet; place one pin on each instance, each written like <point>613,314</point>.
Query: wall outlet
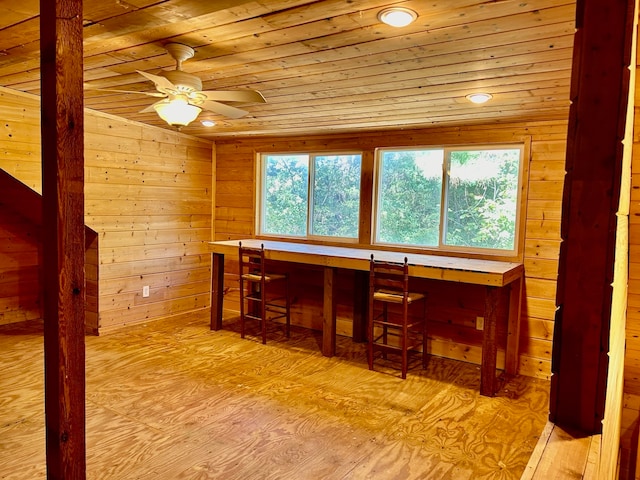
<point>479,323</point>
<point>145,291</point>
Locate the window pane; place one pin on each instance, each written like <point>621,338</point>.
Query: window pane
<point>482,198</point>
<point>409,195</point>
<point>285,199</point>
<point>336,195</point>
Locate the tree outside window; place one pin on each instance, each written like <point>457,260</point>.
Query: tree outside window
<point>285,194</point>
<point>482,198</point>
<point>448,197</point>
<point>311,195</point>
<point>409,195</point>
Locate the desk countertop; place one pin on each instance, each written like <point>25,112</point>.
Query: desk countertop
<point>456,269</point>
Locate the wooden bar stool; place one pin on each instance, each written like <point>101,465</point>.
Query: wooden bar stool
<point>259,298</point>
<point>394,332</point>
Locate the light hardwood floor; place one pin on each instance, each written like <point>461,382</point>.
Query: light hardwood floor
<point>174,400</point>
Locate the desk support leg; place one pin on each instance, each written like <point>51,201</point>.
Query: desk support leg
<point>329,314</point>
<point>513,328</point>
<point>489,343</point>
<point>360,306</point>
<point>217,290</point>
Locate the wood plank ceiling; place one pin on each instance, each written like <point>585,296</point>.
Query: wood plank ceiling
<point>323,66</point>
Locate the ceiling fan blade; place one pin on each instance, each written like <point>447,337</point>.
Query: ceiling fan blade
<point>244,96</point>
<point>98,89</point>
<point>160,81</point>
<point>222,109</point>
<point>151,108</point>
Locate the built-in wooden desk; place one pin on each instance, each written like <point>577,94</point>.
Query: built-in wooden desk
<point>503,280</point>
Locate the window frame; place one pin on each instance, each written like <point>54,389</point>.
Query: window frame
<point>442,246</point>
<point>311,155</point>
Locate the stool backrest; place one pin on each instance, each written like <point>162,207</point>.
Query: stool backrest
<point>390,276</point>
<point>251,261</point>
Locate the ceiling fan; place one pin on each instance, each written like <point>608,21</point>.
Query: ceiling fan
<point>182,96</point>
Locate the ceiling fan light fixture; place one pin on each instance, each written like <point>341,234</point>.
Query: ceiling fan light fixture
<point>208,123</point>
<point>177,112</point>
<point>479,97</point>
<point>397,16</point>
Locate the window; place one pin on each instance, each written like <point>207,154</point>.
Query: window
<point>452,198</point>
<point>310,195</point>
<point>409,195</point>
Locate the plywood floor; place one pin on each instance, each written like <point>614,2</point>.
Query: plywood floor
<point>177,401</point>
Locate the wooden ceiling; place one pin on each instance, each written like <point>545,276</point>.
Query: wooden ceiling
<point>324,66</point>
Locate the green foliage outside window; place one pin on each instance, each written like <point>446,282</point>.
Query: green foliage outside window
<point>335,195</point>
<point>409,195</point>
<point>424,197</point>
<point>285,196</point>
<point>482,198</point>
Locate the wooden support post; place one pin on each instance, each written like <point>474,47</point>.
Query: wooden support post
<point>62,131</point>
<point>217,290</point>
<point>513,327</point>
<point>360,306</point>
<point>489,343</point>
<point>329,314</point>
<point>599,92</point>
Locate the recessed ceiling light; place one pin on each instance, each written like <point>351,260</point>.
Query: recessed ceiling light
<point>208,123</point>
<point>397,16</point>
<point>479,97</point>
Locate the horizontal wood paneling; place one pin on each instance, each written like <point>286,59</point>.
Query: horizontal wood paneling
<point>92,277</point>
<point>20,257</point>
<point>451,311</point>
<point>148,195</point>
<point>19,269</point>
<point>323,65</point>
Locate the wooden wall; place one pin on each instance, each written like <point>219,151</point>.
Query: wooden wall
<point>21,250</point>
<point>453,315</point>
<point>19,268</point>
<point>148,194</point>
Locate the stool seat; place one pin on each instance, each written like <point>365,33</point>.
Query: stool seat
<point>395,297</point>
<point>268,277</point>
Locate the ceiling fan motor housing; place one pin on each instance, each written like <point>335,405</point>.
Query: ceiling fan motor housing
<point>184,82</point>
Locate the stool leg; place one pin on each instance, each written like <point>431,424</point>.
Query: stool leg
<point>288,306</point>
<point>385,337</point>
<point>424,333</point>
<point>263,313</point>
<point>370,335</point>
<point>403,341</point>
<point>241,307</point>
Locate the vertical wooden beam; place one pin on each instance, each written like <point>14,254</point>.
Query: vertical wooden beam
<point>329,314</point>
<point>512,356</point>
<point>366,193</point>
<point>599,91</point>
<point>360,305</point>
<point>217,290</point>
<point>489,343</point>
<point>62,130</point>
